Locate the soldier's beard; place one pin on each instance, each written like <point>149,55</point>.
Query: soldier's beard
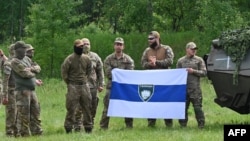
<point>153,45</point>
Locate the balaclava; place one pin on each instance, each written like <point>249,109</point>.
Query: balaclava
<point>86,47</point>
<point>20,49</point>
<point>78,50</point>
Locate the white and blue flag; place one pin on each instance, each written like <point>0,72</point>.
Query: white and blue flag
<point>148,93</point>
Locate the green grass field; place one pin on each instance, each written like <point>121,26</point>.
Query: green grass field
<point>52,98</point>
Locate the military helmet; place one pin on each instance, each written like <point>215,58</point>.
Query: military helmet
<point>29,47</point>
<point>20,44</point>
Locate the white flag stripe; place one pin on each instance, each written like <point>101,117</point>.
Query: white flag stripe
<point>118,108</point>
<point>167,76</point>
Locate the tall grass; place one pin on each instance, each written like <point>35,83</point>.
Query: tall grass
<point>52,98</point>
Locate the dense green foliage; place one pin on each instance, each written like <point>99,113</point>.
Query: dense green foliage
<point>52,26</point>
<point>102,43</point>
<point>52,100</point>
<point>236,44</point>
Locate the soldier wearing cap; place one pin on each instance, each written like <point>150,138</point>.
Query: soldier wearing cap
<point>75,71</point>
<point>157,56</point>
<point>30,51</point>
<point>24,73</point>
<point>95,81</point>
<point>120,60</point>
<point>35,113</point>
<point>9,99</point>
<point>196,69</point>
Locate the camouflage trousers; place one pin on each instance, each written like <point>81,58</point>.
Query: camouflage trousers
<point>10,112</point>
<point>79,115</point>
<point>28,113</point>
<point>78,95</point>
<point>194,96</point>
<point>104,123</point>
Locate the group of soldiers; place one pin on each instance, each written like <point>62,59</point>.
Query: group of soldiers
<point>83,72</point>
<point>76,72</point>
<point>18,91</point>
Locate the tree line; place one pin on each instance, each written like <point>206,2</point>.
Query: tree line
<point>51,26</point>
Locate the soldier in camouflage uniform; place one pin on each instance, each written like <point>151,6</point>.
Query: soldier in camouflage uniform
<point>9,99</point>
<point>26,100</point>
<point>95,81</point>
<point>30,51</point>
<point>196,68</point>
<point>35,126</point>
<point>120,60</point>
<point>75,70</point>
<point>157,56</point>
<point>3,58</point>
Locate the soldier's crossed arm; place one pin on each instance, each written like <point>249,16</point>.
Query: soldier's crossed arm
<point>21,70</point>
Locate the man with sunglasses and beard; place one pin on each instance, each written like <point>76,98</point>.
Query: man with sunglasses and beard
<point>75,71</point>
<point>157,56</point>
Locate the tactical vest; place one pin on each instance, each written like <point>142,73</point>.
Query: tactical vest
<point>160,54</point>
<point>24,83</point>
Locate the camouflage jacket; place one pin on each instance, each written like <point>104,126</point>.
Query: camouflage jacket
<point>8,77</point>
<point>111,61</point>
<point>196,63</point>
<point>76,68</point>
<point>96,78</point>
<point>164,57</point>
<point>2,61</point>
<point>24,73</point>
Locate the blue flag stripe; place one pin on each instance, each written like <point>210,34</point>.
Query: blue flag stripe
<point>163,93</point>
<point>140,93</point>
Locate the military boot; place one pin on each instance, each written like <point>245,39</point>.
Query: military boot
<point>168,122</point>
<point>183,122</point>
<point>201,124</point>
<point>88,129</point>
<point>68,130</point>
<point>151,122</point>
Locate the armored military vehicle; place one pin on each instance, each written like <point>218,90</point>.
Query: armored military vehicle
<point>221,71</point>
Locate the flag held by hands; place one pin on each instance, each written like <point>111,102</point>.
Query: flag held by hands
<point>148,93</point>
